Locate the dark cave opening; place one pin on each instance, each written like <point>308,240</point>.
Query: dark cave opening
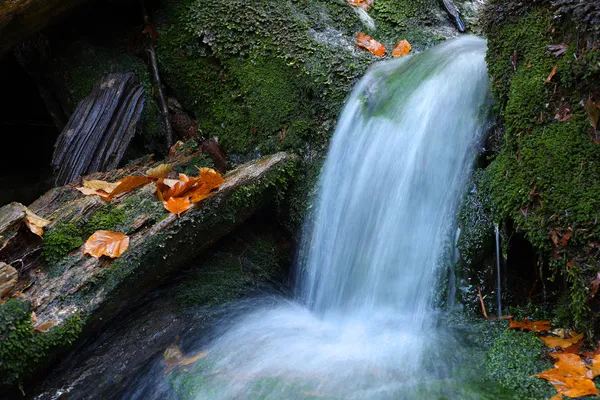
<point>28,136</point>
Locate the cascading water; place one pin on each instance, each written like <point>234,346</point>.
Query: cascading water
<point>364,325</point>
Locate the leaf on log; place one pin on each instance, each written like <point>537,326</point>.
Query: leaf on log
<point>160,171</point>
<point>536,326</point>
<point>366,42</point>
<point>401,48</point>
<point>106,243</point>
<point>36,224</point>
<point>128,184</point>
<point>177,205</point>
<point>552,342</point>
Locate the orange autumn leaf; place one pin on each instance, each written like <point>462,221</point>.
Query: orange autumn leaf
<point>210,177</point>
<point>536,326</point>
<point>552,342</point>
<point>570,376</point>
<point>129,183</point>
<point>552,73</point>
<point>177,205</point>
<point>366,42</point>
<point>364,4</point>
<point>106,243</point>
<point>595,367</point>
<point>401,48</point>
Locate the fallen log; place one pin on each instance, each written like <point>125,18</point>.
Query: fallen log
<point>72,294</point>
<point>101,128</point>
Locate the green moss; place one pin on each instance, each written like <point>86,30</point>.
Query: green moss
<point>59,241</point>
<point>237,266</point>
<point>512,361</point>
<point>546,175</point>
<point>108,218</point>
<point>270,75</point>
<point>24,351</point>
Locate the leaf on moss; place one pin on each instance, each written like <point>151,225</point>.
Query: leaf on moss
<point>552,342</point>
<point>552,73</point>
<point>366,42</point>
<point>570,376</point>
<point>526,324</point>
<point>364,4</point>
<point>106,243</point>
<point>592,110</point>
<point>35,223</point>
<point>401,48</point>
<point>160,171</point>
<point>45,326</point>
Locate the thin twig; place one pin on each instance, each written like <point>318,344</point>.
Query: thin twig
<point>164,110</point>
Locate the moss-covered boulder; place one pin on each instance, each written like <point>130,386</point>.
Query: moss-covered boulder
<point>545,178</point>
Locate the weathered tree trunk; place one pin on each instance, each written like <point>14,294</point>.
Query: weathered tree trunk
<point>66,288</point>
<point>101,128</point>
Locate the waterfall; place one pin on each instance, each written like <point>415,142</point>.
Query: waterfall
<point>363,325</point>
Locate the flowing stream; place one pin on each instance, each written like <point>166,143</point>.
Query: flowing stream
<point>363,323</point>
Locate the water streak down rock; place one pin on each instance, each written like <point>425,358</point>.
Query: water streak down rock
<point>100,129</point>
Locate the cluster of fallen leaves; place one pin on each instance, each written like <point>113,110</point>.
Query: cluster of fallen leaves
<point>177,196</point>
<point>574,370</point>
<point>366,42</point>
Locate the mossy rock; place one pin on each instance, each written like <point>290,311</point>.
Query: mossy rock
<point>546,175</point>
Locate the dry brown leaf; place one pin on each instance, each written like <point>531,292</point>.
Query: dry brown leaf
<point>100,185</point>
<point>536,326</point>
<point>366,42</point>
<point>160,171</point>
<point>561,342</point>
<point>35,223</point>
<point>552,73</point>
<point>592,110</point>
<point>401,48</point>
<point>106,243</point>
<point>177,205</point>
